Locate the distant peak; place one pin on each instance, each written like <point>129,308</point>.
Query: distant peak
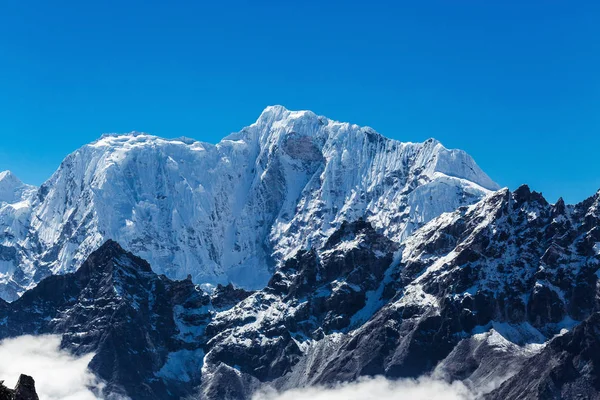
<point>524,194</point>
<point>111,244</point>
<point>8,176</point>
<point>109,250</point>
<point>278,113</point>
<point>13,190</point>
<point>503,193</point>
<point>432,142</point>
<point>106,258</point>
<point>275,109</point>
<point>559,207</point>
<point>523,190</point>
<point>273,113</point>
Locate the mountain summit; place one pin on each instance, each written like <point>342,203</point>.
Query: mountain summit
<point>231,212</point>
<point>12,190</point>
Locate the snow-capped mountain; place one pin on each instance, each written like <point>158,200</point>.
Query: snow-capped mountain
<point>228,212</point>
<point>12,190</point>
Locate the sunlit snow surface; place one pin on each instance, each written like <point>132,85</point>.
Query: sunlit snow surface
<point>230,211</point>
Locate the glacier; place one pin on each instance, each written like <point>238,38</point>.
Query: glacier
<point>231,211</point>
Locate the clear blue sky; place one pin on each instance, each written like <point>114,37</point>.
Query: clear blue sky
<point>514,83</point>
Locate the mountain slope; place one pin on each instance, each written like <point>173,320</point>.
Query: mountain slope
<point>138,324</point>
<point>473,295</point>
<point>567,368</point>
<point>16,265</point>
<point>485,295</point>
<point>232,211</point>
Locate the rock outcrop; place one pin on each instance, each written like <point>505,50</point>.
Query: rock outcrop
<point>24,390</point>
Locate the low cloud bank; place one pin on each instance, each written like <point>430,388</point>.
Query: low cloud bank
<point>378,388</point>
<point>58,374</point>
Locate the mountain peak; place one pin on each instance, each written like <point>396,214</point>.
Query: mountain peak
<point>24,390</point>
<point>524,194</point>
<point>279,114</point>
<point>7,177</point>
<point>231,211</point>
<point>275,109</point>
<point>432,142</point>
<point>12,189</point>
<point>111,257</point>
<point>111,246</point>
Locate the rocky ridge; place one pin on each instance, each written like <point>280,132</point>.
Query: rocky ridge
<point>24,390</point>
<point>488,294</point>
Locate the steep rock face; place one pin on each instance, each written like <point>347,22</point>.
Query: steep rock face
<point>512,257</point>
<point>12,190</point>
<point>150,334</point>
<point>232,211</point>
<point>567,368</point>
<point>512,263</point>
<point>485,360</point>
<point>483,288</point>
<point>24,390</point>
<point>15,209</point>
<point>309,298</point>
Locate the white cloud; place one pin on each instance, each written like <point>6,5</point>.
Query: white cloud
<point>57,373</point>
<point>378,388</point>
<point>60,375</point>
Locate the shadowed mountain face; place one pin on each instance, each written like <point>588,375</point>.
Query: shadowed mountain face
<point>567,368</point>
<point>471,296</point>
<point>493,294</point>
<point>25,390</point>
<point>229,212</point>
<point>116,307</point>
